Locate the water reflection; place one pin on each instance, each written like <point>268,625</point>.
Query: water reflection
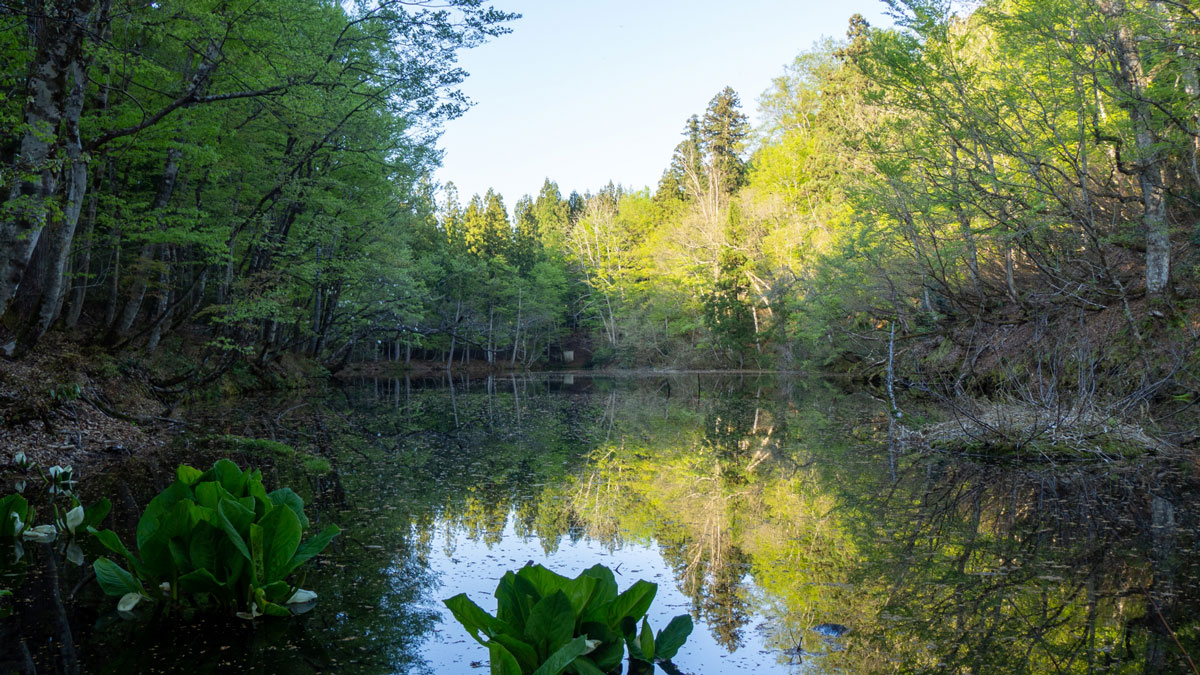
<point>768,508</point>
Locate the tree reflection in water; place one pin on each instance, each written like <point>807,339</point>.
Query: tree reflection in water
<point>773,503</point>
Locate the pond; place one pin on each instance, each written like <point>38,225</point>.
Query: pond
<point>769,508</point>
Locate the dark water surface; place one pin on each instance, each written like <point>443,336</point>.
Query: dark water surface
<point>770,509</point>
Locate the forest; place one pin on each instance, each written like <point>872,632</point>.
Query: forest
<point>893,369</point>
<point>990,194</point>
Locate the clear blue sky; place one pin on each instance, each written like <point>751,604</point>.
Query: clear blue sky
<point>584,92</point>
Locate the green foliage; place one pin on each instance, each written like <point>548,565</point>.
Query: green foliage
<point>216,536</point>
<point>15,516</point>
<point>546,623</point>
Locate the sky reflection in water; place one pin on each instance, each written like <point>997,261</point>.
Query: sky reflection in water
<point>762,506</point>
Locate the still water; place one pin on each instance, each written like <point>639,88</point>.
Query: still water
<point>771,510</point>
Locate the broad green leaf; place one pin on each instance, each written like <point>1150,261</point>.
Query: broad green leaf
<point>503,662</point>
<point>149,522</point>
<point>474,619</point>
<point>257,554</point>
<point>113,578</point>
<point>612,644</point>
<point>563,657</point>
<point>647,641</point>
<point>13,505</point>
<point>286,497</point>
<point>179,555</point>
<point>202,581</point>
<point>522,651</point>
<point>312,547</point>
<point>202,547</point>
<point>281,537</point>
<point>94,514</point>
<point>277,591</point>
<point>188,475</point>
<point>544,580</point>
<point>208,494</point>
<point>230,477</point>
<point>112,542</point>
<point>512,606</point>
<point>230,530</point>
<point>580,591</point>
<point>551,623</point>
<point>606,592</point>
<point>273,609</point>
<point>671,638</point>
<point>583,665</point>
<point>633,603</point>
<point>156,557</point>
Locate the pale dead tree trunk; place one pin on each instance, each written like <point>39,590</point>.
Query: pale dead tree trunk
<point>491,323</point>
<point>517,335</point>
<point>454,334</point>
<point>1149,170</point>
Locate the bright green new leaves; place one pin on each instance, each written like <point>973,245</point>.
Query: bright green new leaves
<point>546,623</point>
<point>648,647</point>
<point>217,536</point>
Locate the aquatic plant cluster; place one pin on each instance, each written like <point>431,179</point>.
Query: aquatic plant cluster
<point>216,539</point>
<point>547,624</point>
<point>216,536</point>
<point>17,515</point>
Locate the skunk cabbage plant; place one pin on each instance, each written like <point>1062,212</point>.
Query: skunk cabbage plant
<point>215,538</point>
<point>546,624</point>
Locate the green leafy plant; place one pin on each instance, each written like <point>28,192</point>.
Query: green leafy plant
<point>16,515</point>
<point>546,624</point>
<point>216,537</point>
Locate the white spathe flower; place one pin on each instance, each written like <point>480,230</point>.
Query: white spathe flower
<point>41,534</point>
<point>19,486</point>
<point>165,587</point>
<point>75,554</point>
<point>21,460</point>
<point>128,601</point>
<point>74,518</point>
<point>252,614</point>
<point>301,596</point>
<point>18,524</point>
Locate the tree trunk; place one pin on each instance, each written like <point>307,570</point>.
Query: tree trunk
<point>137,291</point>
<point>517,336</point>
<point>54,94</point>
<point>164,300</point>
<point>82,268</point>
<point>1149,169</point>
